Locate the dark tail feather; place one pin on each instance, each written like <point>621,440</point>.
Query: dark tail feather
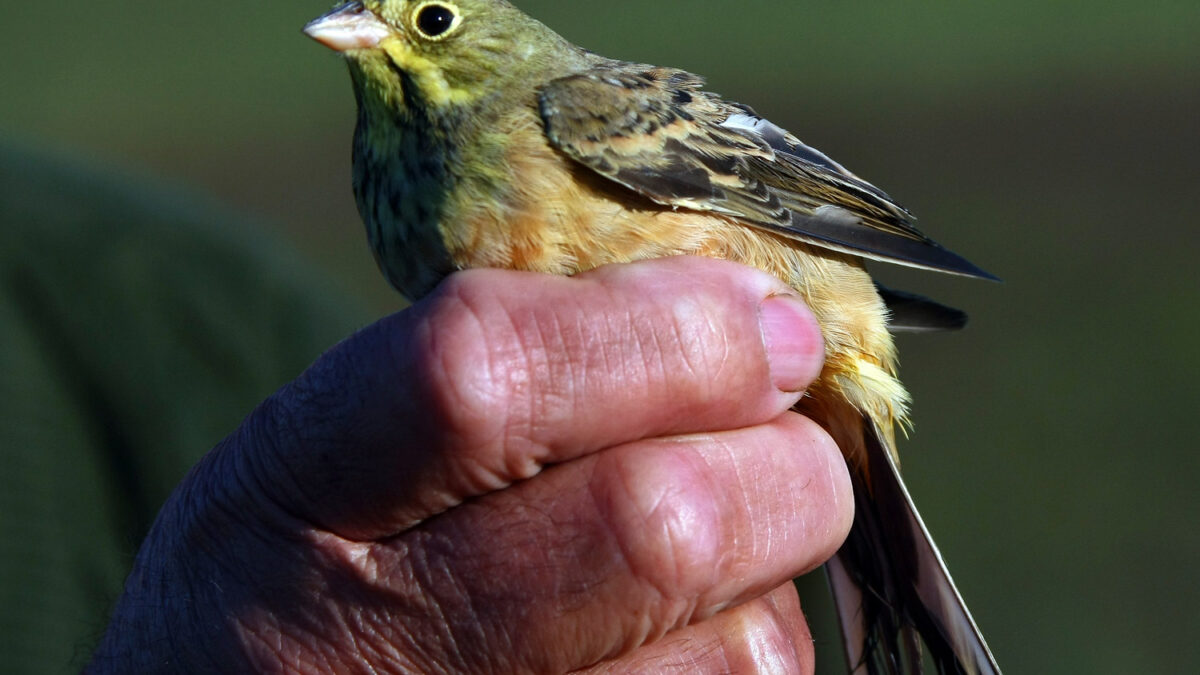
<point>890,584</point>
<point>912,313</point>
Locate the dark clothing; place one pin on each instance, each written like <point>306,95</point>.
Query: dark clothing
<point>137,328</point>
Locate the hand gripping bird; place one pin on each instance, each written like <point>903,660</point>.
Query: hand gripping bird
<point>484,139</point>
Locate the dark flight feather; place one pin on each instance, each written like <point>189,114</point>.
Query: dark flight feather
<point>890,577</point>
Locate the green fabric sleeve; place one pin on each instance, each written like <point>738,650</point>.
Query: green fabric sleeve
<point>138,326</point>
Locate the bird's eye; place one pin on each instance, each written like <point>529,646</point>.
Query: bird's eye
<point>435,20</point>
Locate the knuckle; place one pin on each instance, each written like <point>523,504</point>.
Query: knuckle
<point>475,370</point>
<point>662,508</point>
<point>469,361</point>
<point>701,342</point>
<point>761,641</point>
<point>822,496</point>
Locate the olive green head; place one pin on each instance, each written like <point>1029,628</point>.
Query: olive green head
<point>440,53</point>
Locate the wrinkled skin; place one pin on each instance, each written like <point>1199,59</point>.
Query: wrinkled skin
<point>519,473</point>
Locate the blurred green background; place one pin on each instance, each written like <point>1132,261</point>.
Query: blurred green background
<point>1056,144</point>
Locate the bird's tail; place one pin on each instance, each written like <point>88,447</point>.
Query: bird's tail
<point>891,587</point>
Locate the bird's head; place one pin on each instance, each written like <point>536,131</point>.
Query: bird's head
<point>439,53</point>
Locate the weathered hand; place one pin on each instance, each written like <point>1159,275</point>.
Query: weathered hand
<point>521,473</point>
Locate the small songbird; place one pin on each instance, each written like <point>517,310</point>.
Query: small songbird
<point>484,139</point>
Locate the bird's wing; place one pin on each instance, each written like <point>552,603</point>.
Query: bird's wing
<point>655,131</point>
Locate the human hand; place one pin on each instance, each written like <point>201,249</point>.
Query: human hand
<point>519,473</point>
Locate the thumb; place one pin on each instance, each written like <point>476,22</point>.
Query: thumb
<point>499,373</point>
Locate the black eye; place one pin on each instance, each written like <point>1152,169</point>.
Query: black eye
<point>434,20</point>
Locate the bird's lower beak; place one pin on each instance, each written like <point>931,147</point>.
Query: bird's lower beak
<point>348,26</point>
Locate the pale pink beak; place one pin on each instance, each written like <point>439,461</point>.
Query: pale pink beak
<point>348,26</point>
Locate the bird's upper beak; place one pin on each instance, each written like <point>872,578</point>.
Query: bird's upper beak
<point>348,26</point>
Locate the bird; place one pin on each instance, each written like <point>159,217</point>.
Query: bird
<point>485,139</point>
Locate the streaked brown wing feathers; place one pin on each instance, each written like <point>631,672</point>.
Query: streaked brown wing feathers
<point>655,131</point>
